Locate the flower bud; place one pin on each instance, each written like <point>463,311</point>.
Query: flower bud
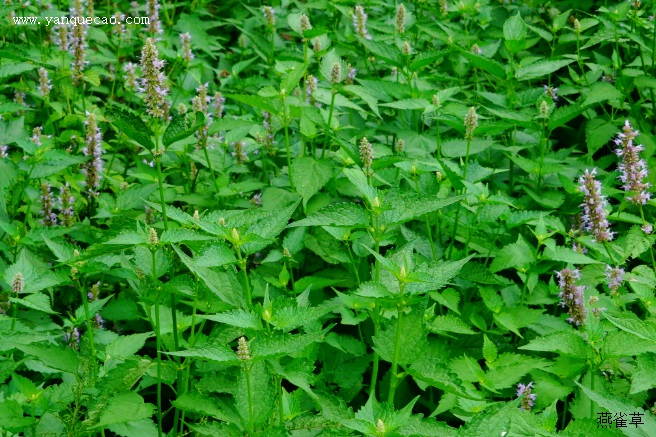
<point>153,239</point>
<point>18,283</point>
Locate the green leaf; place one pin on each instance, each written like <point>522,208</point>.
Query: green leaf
<point>131,125</point>
<point>127,345</point>
<point>411,344</point>
<point>255,101</point>
<point>255,396</point>
<point>9,70</point>
<point>201,404</point>
<point>364,94</point>
<point>404,207</point>
<point>358,178</point>
<point>59,358</point>
<point>564,343</point>
<point>450,323</point>
<point>598,133</point>
<point>137,428</point>
<point>340,214</point>
<point>125,407</point>
<point>458,148</point>
<point>600,92</point>
<point>406,104</point>
<point>514,32</point>
<point>291,80</point>
<point>490,351</point>
<point>310,176</point>
<point>645,330</point>
<point>238,318</point>
<point>179,235</point>
<point>616,405</point>
<point>540,69</point>
<point>489,65</point>
<point>215,352</point>
<point>567,255</point>
<point>564,114</point>
<point>435,373</point>
<point>518,254</point>
<point>179,128</point>
<point>644,376</point>
<point>286,344</point>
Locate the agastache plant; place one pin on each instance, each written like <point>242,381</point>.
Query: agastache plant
<point>153,83</point>
<point>593,218</point>
<point>66,203</point>
<point>367,156</point>
<point>200,103</point>
<point>633,169</point>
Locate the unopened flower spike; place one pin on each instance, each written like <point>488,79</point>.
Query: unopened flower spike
<point>243,351</point>
<point>153,239</point>
<point>471,123</point>
<point>367,156</point>
<point>304,23</point>
<point>18,283</point>
<point>336,73</point>
<point>269,16</point>
<point>400,19</point>
<point>185,39</point>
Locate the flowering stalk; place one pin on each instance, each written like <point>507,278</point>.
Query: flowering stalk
<point>633,169</point>
<point>593,217</point>
<point>94,167</point>
<point>400,19</point>
<point>47,203</point>
<point>153,83</point>
<point>360,22</point>
<point>528,398</point>
<point>44,82</point>
<point>366,156</point>
<point>187,55</point>
<point>335,78</point>
<point>572,296</point>
<point>130,75</point>
<point>66,205</point>
<point>78,41</point>
<point>154,24</point>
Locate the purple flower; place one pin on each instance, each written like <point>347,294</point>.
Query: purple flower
<point>44,82</point>
<point>257,199</point>
<point>78,45</point>
<point>633,169</point>
<point>130,75</point>
<point>572,296</point>
<point>528,398</point>
<point>200,103</point>
<point>154,25</point>
<point>47,204</point>
<point>593,217</point>
<point>4,151</point>
<point>614,278</point>
<point>93,168</point>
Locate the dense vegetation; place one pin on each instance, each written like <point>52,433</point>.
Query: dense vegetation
<point>429,218</point>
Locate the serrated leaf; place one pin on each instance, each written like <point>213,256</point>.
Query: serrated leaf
<point>125,407</point>
<point>600,92</point>
<point>178,129</point>
<point>405,207</point>
<point>435,373</point>
<point>291,80</point>
<point>340,215</point>
<point>9,70</point>
<point>449,323</point>
<point>310,175</point>
<point>540,69</point>
<point>238,318</point>
<point>518,254</point>
<point>131,125</point>
<point>643,329</point>
<point>490,351</point>
<point>616,406</point>
<point>286,344</point>
<point>598,133</point>
<point>491,66</point>
<point>564,343</point>
<point>127,345</point>
<point>254,101</point>
<point>180,234</point>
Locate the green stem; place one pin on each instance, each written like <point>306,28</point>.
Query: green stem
<point>287,145</point>
<point>158,342</point>
<point>161,184</point>
<point>87,314</point>
<point>250,398</point>
<point>651,249</point>
<point>394,379</point>
<point>330,118</point>
<point>244,272</point>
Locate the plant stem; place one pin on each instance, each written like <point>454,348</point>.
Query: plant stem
<point>287,145</point>
<point>394,379</point>
<point>330,118</point>
<point>161,183</point>
<point>158,342</point>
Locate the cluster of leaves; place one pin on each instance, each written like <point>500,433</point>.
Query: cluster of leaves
<point>347,222</point>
